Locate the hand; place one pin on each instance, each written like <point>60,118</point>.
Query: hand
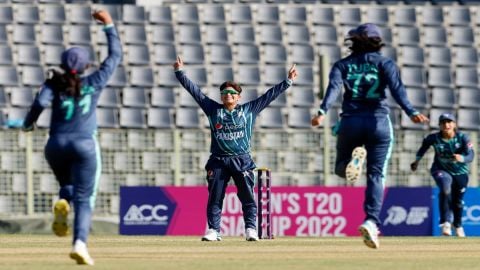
<point>458,157</point>
<point>317,120</point>
<point>102,16</point>
<point>178,64</point>
<point>292,73</point>
<point>419,118</point>
<point>414,166</point>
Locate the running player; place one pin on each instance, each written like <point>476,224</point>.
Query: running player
<point>453,152</point>
<point>231,126</point>
<point>72,149</point>
<point>365,74</point>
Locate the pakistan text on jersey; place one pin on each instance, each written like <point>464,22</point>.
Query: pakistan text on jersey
<point>229,136</point>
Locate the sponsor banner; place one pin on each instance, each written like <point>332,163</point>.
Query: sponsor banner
<point>471,212</point>
<point>296,211</point>
<point>412,216</point>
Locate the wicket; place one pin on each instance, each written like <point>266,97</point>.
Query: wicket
<point>264,178</point>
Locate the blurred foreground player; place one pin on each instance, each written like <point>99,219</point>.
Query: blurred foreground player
<point>72,150</point>
<point>365,125</point>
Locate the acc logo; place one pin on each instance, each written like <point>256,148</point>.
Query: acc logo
<point>398,215</point>
<point>471,214</point>
<point>146,214</point>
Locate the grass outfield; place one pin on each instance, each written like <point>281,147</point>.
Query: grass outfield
<point>177,253</point>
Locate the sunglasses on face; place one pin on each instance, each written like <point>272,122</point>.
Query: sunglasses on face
<point>228,91</point>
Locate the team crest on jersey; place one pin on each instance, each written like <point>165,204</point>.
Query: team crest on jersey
<point>218,126</point>
<point>457,145</point>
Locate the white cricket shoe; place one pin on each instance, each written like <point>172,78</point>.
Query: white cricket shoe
<point>369,232</point>
<point>459,232</point>
<point>80,253</point>
<point>355,166</point>
<point>251,234</point>
<point>60,220</point>
<point>212,235</point>
<point>446,229</point>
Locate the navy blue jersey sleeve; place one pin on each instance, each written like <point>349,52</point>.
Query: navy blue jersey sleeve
<point>427,142</point>
<point>397,88</point>
<point>260,103</point>
<point>467,149</point>
<point>203,101</point>
<point>99,78</point>
<point>42,100</point>
<point>334,88</point>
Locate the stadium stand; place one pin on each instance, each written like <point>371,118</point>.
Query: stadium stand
<point>144,114</point>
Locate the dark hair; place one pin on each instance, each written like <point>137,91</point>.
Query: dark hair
<point>66,82</point>
<point>232,84</point>
<point>363,44</point>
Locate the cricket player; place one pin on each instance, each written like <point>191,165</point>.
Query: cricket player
<point>453,152</point>
<point>365,126</point>
<point>231,126</point>
<point>72,149</point>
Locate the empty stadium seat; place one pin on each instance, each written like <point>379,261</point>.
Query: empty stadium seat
<point>350,16</point>
<point>407,36</point>
<point>247,75</point>
<point>271,117</point>
<point>138,55</point>
<point>443,98</point>
<point>457,15</point>
<point>412,56</point>
<point>297,34</point>
<point>163,34</point>
<point>468,119</point>
<point>52,34</point>
<point>26,14</point>
<point>273,74</point>
<point>79,14</point>
<point>212,14</point>
<point>162,97</point>
<point>132,118</point>
<point>192,53</point>
<point>439,56</point>
<point>8,76</point>
<point>133,14</point>
<point>133,34</point>
<point>33,75</point>
<point>134,97</point>
<point>79,34</point>
<point>247,54</point>
<point>301,97</point>
<point>242,34</point>
<point>296,14</point>
<point>439,77</point>
<point>159,14</point>
<point>273,54</point>
<point>165,76</point>
<point>324,34</point>
<point>164,54</point>
<point>461,36</point>
<point>323,15</point>
<point>431,16</point>
<point>239,14</point>
<point>418,97</point>
<point>141,76</point>
<point>187,118</point>
<point>220,74</point>
<point>186,14</point>
<point>6,56</point>
<point>219,54</point>
<point>469,98</point>
<point>54,14</point>
<point>267,14</point>
<point>301,54</point>
<point>21,96</point>
<point>197,75</point>
<point>160,118</point>
<point>434,36</point>
<point>413,76</point>
<point>376,15</point>
<point>110,97</point>
<point>269,34</point>
<point>466,77</point>
<point>465,56</point>
<point>118,78</point>
<point>6,14</point>
<point>215,34</point>
<point>188,34</point>
<point>299,118</point>
<point>23,34</point>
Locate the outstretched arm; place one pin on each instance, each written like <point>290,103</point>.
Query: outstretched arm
<point>421,151</point>
<point>114,57</point>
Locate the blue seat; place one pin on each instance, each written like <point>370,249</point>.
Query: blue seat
<point>110,98</point>
<point>132,118</point>
<point>246,54</point>
<point>213,14</point>
<point>162,97</point>
<point>299,118</point>
<point>163,34</point>
<point>164,54</point>
<point>219,54</point>
<point>187,118</point>
<point>159,14</point>
<point>273,54</point>
<point>133,14</point>
<point>134,97</point>
<point>160,118</point>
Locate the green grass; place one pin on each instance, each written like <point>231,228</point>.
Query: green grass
<point>177,253</point>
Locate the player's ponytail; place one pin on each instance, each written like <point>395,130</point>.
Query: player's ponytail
<point>67,82</point>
